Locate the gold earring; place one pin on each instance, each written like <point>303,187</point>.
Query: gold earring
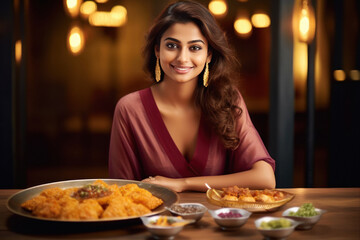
<point>206,75</point>
<point>157,71</point>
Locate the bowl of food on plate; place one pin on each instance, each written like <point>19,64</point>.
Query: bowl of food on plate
<point>275,227</point>
<point>165,227</point>
<point>230,218</point>
<point>193,211</point>
<point>306,214</point>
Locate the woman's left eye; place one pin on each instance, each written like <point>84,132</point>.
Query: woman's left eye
<point>195,48</point>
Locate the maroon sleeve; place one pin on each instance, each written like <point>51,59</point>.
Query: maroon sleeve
<point>123,162</point>
<point>251,148</point>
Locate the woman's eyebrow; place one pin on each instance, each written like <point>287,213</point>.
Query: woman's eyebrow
<point>176,40</point>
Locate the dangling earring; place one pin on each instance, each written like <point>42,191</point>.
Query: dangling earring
<point>157,71</point>
<point>206,75</point>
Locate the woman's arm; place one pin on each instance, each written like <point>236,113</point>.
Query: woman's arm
<point>260,176</point>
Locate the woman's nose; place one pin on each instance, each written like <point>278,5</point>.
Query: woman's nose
<point>183,55</point>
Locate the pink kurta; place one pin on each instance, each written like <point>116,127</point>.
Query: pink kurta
<point>141,145</point>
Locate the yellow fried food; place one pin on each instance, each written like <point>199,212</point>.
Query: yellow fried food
<point>135,209</point>
<point>90,209</point>
<point>163,221</point>
<point>150,202</point>
<point>116,208</point>
<point>247,195</point>
<point>93,201</point>
<point>70,208</point>
<point>140,195</point>
<point>104,201</point>
<point>31,204</point>
<point>50,208</point>
<point>55,193</point>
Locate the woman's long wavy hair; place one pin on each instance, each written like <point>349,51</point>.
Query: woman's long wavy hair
<point>218,101</point>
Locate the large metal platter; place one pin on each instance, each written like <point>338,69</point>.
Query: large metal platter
<point>14,202</point>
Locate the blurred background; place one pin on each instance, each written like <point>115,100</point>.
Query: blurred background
<point>65,64</point>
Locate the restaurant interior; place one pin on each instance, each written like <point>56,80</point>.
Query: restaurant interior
<point>66,63</point>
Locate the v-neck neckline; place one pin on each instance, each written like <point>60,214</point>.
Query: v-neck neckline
<point>196,165</point>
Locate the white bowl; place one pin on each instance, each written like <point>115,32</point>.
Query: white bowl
<point>193,211</point>
<point>305,222</point>
<point>278,233</point>
<point>164,232</point>
<point>227,223</point>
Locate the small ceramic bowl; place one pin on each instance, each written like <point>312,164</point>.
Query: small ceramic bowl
<point>305,222</point>
<point>277,233</point>
<point>230,218</point>
<point>193,211</point>
<point>165,232</point>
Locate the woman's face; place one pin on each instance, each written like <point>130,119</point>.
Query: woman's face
<point>183,52</point>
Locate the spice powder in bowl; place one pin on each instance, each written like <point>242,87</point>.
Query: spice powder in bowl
<point>193,211</point>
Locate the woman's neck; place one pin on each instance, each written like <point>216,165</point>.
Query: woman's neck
<point>175,94</point>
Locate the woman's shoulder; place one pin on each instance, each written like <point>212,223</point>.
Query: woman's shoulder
<point>130,101</point>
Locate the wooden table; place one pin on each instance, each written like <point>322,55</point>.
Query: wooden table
<point>342,221</point>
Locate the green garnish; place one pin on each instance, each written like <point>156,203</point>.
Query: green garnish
<point>306,210</point>
<point>275,224</point>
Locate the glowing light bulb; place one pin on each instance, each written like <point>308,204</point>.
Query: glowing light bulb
<point>260,20</point>
<point>72,7</point>
<point>76,40</point>
<point>87,8</point>
<point>339,75</point>
<point>306,22</point>
<point>18,51</point>
<point>242,26</point>
<point>218,7</point>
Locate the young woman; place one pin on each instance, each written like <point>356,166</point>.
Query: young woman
<point>191,126</point>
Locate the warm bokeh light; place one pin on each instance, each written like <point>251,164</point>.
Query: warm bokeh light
<point>339,75</point>
<point>243,26</point>
<point>87,8</point>
<point>18,51</point>
<point>101,1</point>
<point>72,7</point>
<point>76,40</point>
<point>354,75</point>
<point>304,23</point>
<point>218,7</point>
<point>260,20</point>
<point>305,19</point>
<point>300,71</point>
<point>119,13</point>
<point>116,18</point>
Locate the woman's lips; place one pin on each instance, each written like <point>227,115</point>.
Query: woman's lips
<point>182,69</point>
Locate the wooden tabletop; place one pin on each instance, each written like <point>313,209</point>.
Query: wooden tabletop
<point>342,220</point>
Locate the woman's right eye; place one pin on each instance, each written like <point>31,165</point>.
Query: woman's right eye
<point>171,45</point>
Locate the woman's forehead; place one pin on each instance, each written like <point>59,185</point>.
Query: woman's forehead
<point>184,32</point>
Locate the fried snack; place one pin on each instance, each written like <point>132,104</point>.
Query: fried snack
<point>54,193</point>
<point>93,201</point>
<point>164,221</point>
<point>70,208</point>
<point>135,209</point>
<point>31,204</point>
<point>50,208</point>
<point>90,209</point>
<point>141,196</point>
<point>116,208</point>
<point>247,195</point>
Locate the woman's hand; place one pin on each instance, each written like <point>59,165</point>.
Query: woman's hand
<point>175,184</point>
